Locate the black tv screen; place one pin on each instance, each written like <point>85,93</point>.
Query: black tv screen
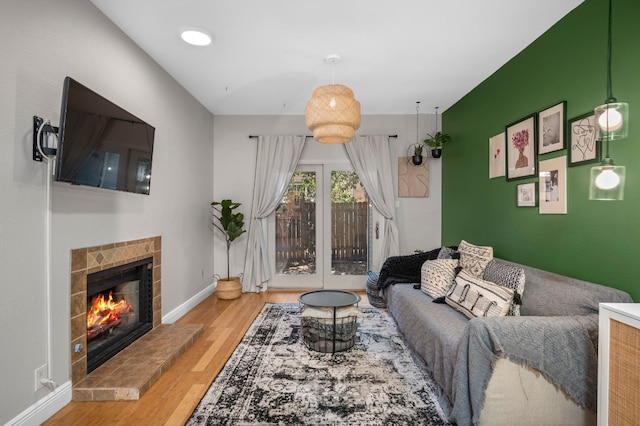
<point>101,144</point>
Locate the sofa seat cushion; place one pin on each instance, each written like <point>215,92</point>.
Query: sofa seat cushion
<point>433,331</point>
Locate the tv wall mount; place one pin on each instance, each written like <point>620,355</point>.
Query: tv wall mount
<point>39,136</point>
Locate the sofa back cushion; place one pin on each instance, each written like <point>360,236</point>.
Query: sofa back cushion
<point>550,294</point>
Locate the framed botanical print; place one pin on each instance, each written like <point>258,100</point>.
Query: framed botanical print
<point>527,196</point>
<point>496,156</point>
<point>521,148</point>
<point>584,146</point>
<point>551,128</point>
<point>553,186</point>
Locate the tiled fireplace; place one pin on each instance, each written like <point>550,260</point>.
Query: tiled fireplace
<point>130,369</point>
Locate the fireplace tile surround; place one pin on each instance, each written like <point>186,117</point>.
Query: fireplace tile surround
<point>156,350</point>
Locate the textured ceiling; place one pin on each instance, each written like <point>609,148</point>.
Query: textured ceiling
<point>268,56</point>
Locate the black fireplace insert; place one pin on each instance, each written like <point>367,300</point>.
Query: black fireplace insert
<point>119,309</point>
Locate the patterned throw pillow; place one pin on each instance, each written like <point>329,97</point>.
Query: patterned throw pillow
<point>446,253</point>
<point>507,276</point>
<point>437,276</point>
<point>474,259</point>
<point>478,298</point>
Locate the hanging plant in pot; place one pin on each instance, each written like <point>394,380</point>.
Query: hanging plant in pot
<point>436,143</point>
<point>230,224</point>
<point>417,154</point>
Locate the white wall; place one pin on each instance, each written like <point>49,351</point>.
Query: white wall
<point>42,42</point>
<point>418,219</point>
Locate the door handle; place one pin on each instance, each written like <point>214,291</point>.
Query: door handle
<point>377,231</point>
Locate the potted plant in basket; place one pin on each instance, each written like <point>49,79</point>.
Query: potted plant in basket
<point>230,223</point>
<point>436,143</point>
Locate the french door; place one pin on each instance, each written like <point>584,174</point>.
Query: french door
<point>322,230</point>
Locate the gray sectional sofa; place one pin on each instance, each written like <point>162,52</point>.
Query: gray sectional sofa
<point>539,368</point>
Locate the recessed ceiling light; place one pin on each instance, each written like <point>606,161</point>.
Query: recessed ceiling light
<point>196,37</point>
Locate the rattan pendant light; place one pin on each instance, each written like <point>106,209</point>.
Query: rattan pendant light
<point>333,113</point>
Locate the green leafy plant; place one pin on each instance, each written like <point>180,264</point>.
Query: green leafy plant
<point>417,149</point>
<point>229,222</point>
<point>438,140</point>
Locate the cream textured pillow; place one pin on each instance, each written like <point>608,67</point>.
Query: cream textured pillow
<point>437,276</point>
<point>478,298</point>
<point>474,259</point>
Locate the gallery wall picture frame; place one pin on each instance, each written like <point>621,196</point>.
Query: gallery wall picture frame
<point>521,148</point>
<point>497,156</point>
<point>527,195</point>
<point>553,185</point>
<point>584,146</point>
<point>551,128</point>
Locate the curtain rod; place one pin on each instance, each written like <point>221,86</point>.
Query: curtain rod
<point>256,137</point>
<point>309,136</point>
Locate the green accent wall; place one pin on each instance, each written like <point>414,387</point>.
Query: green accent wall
<point>596,241</point>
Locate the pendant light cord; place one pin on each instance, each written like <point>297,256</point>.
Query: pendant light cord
<point>333,72</point>
<point>417,119</point>
<point>610,98</point>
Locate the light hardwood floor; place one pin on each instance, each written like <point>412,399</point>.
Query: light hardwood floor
<point>171,400</point>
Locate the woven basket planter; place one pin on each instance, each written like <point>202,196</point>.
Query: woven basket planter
<point>229,288</point>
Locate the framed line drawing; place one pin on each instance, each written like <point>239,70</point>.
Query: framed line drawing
<point>527,196</point>
<point>584,146</point>
<point>553,186</point>
<point>551,128</point>
<point>521,148</point>
<point>496,156</point>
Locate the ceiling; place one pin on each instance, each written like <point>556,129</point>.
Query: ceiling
<point>268,56</point>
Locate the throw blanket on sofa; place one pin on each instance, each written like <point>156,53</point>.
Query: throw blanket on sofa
<point>544,343</point>
<point>404,269</point>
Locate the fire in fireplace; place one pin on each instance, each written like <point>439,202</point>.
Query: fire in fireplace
<point>119,309</point>
<point>105,314</point>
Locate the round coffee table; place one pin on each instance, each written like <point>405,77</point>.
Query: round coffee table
<point>317,332</point>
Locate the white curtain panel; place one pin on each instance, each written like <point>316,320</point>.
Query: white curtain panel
<point>277,159</point>
<point>371,159</point>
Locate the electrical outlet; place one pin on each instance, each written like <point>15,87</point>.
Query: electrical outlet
<point>41,373</point>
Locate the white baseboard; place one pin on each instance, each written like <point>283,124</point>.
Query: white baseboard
<point>42,410</point>
<point>181,310</point>
<point>39,412</point>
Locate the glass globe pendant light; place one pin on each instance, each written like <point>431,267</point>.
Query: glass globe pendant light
<point>607,180</point>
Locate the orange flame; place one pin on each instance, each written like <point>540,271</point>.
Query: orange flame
<point>104,310</point>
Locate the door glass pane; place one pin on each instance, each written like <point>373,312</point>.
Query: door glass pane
<point>349,224</point>
<point>296,226</point>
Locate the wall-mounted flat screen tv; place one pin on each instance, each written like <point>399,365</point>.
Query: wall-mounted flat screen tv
<point>101,144</point>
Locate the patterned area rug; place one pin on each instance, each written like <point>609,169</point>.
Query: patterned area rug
<point>272,378</point>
